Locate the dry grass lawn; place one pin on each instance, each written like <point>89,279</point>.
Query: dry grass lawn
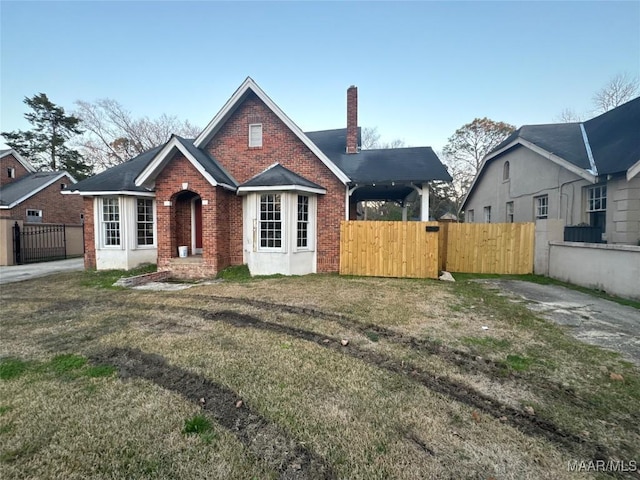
<point>249,379</point>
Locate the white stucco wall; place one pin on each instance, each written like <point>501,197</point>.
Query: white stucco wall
<point>623,210</point>
<point>530,175</point>
<point>128,254</point>
<point>290,260</point>
<point>614,269</point>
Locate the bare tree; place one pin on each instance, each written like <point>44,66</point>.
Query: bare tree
<point>568,115</point>
<point>113,136</point>
<point>371,140</point>
<point>620,89</point>
<point>466,149</point>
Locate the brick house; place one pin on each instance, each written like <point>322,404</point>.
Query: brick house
<point>251,189</point>
<point>35,197</point>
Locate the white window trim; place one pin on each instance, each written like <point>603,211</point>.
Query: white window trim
<point>283,224</point>
<point>601,197</point>
<point>11,171</point>
<point>509,213</point>
<point>155,223</point>
<point>487,214</point>
<point>470,216</point>
<point>101,223</point>
<point>538,206</point>
<point>255,144</point>
<point>311,222</point>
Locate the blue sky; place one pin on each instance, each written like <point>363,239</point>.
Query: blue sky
<point>423,69</point>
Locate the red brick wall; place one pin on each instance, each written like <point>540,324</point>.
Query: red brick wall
<point>89,234</point>
<point>174,222</point>
<point>8,162</point>
<point>230,148</point>
<point>56,208</point>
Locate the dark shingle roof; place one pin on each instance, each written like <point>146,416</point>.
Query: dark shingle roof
<point>614,138</point>
<point>25,186</point>
<point>414,164</point>
<point>122,177</point>
<point>276,176</point>
<point>119,178</point>
<point>562,139</point>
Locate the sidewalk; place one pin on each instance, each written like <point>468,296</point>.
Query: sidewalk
<point>17,273</point>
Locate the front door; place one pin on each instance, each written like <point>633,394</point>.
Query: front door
<point>197,223</point>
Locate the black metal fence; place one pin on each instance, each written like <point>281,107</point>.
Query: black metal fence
<point>39,243</point>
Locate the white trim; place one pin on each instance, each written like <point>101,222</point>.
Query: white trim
<point>23,161</point>
<point>592,162</point>
<point>281,188</point>
<point>250,137</point>
<point>106,193</point>
<point>38,190</point>
<point>221,117</point>
<point>633,170</point>
<point>588,176</point>
<point>163,156</point>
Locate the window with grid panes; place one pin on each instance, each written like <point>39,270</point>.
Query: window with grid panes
<point>145,221</point>
<point>303,221</point>
<point>270,229</point>
<point>110,221</point>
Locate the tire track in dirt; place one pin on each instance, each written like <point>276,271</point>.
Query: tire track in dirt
<point>264,439</point>
<point>528,424</point>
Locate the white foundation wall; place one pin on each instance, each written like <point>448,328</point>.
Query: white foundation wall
<point>128,254</point>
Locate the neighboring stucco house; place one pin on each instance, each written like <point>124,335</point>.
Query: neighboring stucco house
<point>586,172</point>
<point>35,197</point>
<point>252,188</point>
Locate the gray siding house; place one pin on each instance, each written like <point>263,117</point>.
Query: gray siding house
<point>582,173</point>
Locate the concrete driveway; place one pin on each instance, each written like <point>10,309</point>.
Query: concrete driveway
<point>17,273</point>
<point>588,318</point>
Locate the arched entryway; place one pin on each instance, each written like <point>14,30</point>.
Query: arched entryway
<point>187,222</point>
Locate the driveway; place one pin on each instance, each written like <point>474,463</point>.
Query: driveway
<point>17,273</point>
<point>590,319</point>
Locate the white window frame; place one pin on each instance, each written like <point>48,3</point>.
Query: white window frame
<point>487,214</point>
<point>506,171</point>
<point>303,219</point>
<point>148,223</point>
<point>542,206</point>
<point>597,198</point>
<point>255,135</point>
<point>509,212</point>
<point>470,216</point>
<point>11,172</point>
<point>281,199</point>
<point>115,219</point>
<point>31,218</point>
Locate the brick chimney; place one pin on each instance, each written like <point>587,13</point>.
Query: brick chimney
<point>352,119</point>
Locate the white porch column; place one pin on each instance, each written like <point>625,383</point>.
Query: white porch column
<point>404,212</point>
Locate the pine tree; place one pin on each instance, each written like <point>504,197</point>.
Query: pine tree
<point>45,144</point>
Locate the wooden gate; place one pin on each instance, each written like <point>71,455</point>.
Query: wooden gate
<point>389,249</point>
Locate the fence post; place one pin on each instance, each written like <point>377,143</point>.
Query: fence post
<point>64,238</point>
<point>17,256</point>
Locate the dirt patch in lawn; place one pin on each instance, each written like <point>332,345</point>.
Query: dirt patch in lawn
<point>525,422</point>
<point>263,438</point>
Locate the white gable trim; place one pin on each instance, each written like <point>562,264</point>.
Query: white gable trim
<point>589,177</point>
<point>221,117</point>
<point>108,193</point>
<point>152,170</point>
<point>23,161</point>
<point>37,190</point>
<point>633,170</point>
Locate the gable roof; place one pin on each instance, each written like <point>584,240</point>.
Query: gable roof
<point>26,187</point>
<point>413,164</point>
<point>208,167</point>
<point>277,177</point>
<point>23,161</point>
<point>606,144</point>
<point>237,98</point>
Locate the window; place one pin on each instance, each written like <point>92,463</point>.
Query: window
<point>110,222</point>
<point>145,221</point>
<point>509,212</point>
<point>487,214</point>
<point>597,199</point>
<point>470,216</point>
<point>255,135</point>
<point>303,221</point>
<point>505,171</point>
<point>63,186</point>
<point>34,216</point>
<point>11,172</point>
<point>542,206</point>
<point>271,221</point>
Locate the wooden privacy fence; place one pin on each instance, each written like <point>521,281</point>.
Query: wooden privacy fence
<point>421,249</point>
<point>389,249</point>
